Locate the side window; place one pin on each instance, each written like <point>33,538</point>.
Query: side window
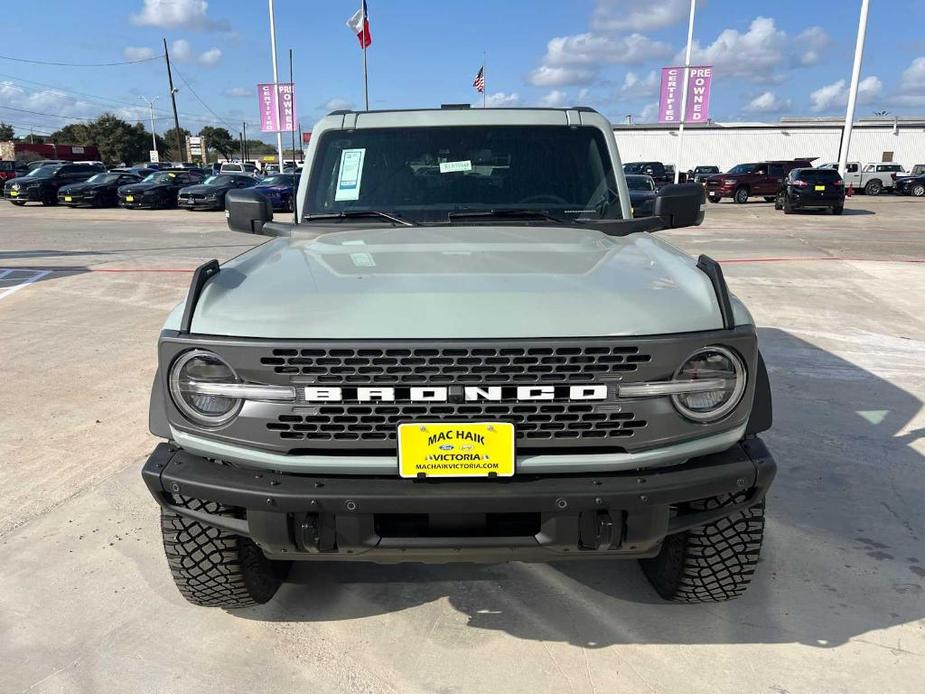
<point>776,170</point>
<point>852,168</point>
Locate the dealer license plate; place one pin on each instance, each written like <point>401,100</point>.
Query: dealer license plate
<point>129,198</point>
<point>14,193</point>
<point>820,187</point>
<point>67,198</point>
<point>470,449</point>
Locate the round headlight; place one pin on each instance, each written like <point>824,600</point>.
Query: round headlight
<point>716,364</point>
<point>189,373</point>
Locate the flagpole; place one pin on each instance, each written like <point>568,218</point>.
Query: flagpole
<point>484,80</point>
<point>279,134</point>
<point>687,73</point>
<point>363,40</point>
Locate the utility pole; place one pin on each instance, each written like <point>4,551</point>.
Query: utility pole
<point>244,151</point>
<point>687,76</point>
<point>279,135</point>
<point>173,101</point>
<point>853,91</point>
<point>241,141</point>
<point>150,103</point>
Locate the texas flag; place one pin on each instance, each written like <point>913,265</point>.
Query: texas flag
<point>359,24</point>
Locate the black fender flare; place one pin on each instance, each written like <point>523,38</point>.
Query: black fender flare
<point>761,416</point>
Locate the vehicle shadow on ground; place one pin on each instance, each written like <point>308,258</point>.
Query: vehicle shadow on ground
<point>848,212</point>
<point>843,554</point>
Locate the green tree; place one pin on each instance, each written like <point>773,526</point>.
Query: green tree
<point>116,140</point>
<point>6,132</point>
<point>219,140</point>
<point>170,138</point>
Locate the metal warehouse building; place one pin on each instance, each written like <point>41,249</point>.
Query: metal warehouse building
<point>728,144</point>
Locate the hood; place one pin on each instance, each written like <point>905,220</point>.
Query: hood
<point>280,188</point>
<point>80,187</point>
<point>458,282</point>
<point>200,189</point>
<point>721,176</point>
<point>141,187</point>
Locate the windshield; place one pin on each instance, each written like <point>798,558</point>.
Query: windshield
<point>706,169</point>
<point>279,180</point>
<point>813,175</point>
<point>640,183</point>
<point>103,178</point>
<point>218,181</point>
<point>231,167</point>
<point>43,171</point>
<point>742,169</point>
<point>426,173</point>
<point>160,178</point>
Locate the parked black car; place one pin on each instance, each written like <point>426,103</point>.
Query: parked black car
<point>642,194</point>
<point>100,190</point>
<point>159,189</point>
<point>699,174</point>
<point>279,189</point>
<point>655,169</point>
<point>42,183</point>
<point>210,194</point>
<point>811,188</point>
<point>910,185</point>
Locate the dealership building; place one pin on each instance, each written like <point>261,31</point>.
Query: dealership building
<point>899,140</point>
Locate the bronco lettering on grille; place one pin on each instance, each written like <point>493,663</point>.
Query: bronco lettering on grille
<point>457,394</point>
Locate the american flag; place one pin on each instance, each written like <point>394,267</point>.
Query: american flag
<point>479,82</point>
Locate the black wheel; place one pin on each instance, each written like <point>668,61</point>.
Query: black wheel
<point>918,190</point>
<point>873,188</point>
<point>214,568</point>
<point>18,203</point>
<point>714,198</point>
<point>779,202</point>
<point>770,198</point>
<point>838,209</point>
<point>741,195</point>
<point>788,206</point>
<point>713,563</point>
<point>50,202</point>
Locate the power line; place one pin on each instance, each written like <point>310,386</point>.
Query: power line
<point>199,99</point>
<point>50,115</point>
<point>46,62</point>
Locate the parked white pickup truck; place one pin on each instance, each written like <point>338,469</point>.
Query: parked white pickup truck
<point>871,179</point>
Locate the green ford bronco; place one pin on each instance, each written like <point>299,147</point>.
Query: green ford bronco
<point>460,347</point>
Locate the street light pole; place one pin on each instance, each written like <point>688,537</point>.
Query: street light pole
<point>279,135</point>
<point>150,103</point>
<point>687,76</point>
<point>853,91</point>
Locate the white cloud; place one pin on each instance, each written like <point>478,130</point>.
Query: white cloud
<point>178,14</point>
<point>760,54</point>
<point>912,85</point>
<point>554,99</point>
<point>137,53</point>
<point>577,58</point>
<point>636,87</point>
<point>238,92</point>
<point>767,103</point>
<point>502,99</point>
<point>210,57</point>
<point>181,50</point>
<point>337,104</point>
<point>632,15</point>
<point>54,101</point>
<point>649,113</point>
<point>835,95</point>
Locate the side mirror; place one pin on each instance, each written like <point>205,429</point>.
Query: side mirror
<point>247,210</point>
<point>680,204</point>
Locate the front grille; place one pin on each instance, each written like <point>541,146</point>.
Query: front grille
<point>534,422</point>
<point>446,365</point>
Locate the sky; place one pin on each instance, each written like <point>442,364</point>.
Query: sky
<point>770,59</point>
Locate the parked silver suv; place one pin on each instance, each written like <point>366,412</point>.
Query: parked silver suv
<point>461,347</point>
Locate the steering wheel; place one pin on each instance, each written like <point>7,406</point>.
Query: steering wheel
<point>544,197</point>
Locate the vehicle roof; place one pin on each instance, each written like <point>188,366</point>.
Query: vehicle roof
<point>395,118</point>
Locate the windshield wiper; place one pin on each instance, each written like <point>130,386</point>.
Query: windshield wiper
<point>509,212</point>
<point>354,214</point>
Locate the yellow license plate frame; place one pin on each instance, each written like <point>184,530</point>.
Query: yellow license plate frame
<point>456,449</point>
<point>14,193</point>
<point>68,198</point>
<point>129,198</point>
<point>820,188</point>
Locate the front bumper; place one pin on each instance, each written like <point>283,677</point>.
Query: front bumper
<point>27,195</point>
<point>201,204</point>
<point>524,518</point>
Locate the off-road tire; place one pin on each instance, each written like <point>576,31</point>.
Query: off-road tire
<point>770,198</point>
<point>214,568</point>
<point>918,190</point>
<point>873,188</point>
<point>712,563</point>
<point>741,195</point>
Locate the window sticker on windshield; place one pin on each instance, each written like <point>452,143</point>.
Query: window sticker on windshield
<point>351,174</point>
<point>453,166</point>
<point>362,260</point>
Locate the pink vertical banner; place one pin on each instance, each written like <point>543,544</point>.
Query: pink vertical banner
<point>286,102</point>
<point>698,94</point>
<point>669,102</point>
<point>268,103</point>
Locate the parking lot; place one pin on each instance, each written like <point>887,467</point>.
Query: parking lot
<point>838,603</point>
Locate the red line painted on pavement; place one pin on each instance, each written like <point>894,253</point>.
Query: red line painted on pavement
<point>729,261</point>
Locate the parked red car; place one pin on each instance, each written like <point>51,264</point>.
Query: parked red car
<point>12,169</point>
<point>744,181</point>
